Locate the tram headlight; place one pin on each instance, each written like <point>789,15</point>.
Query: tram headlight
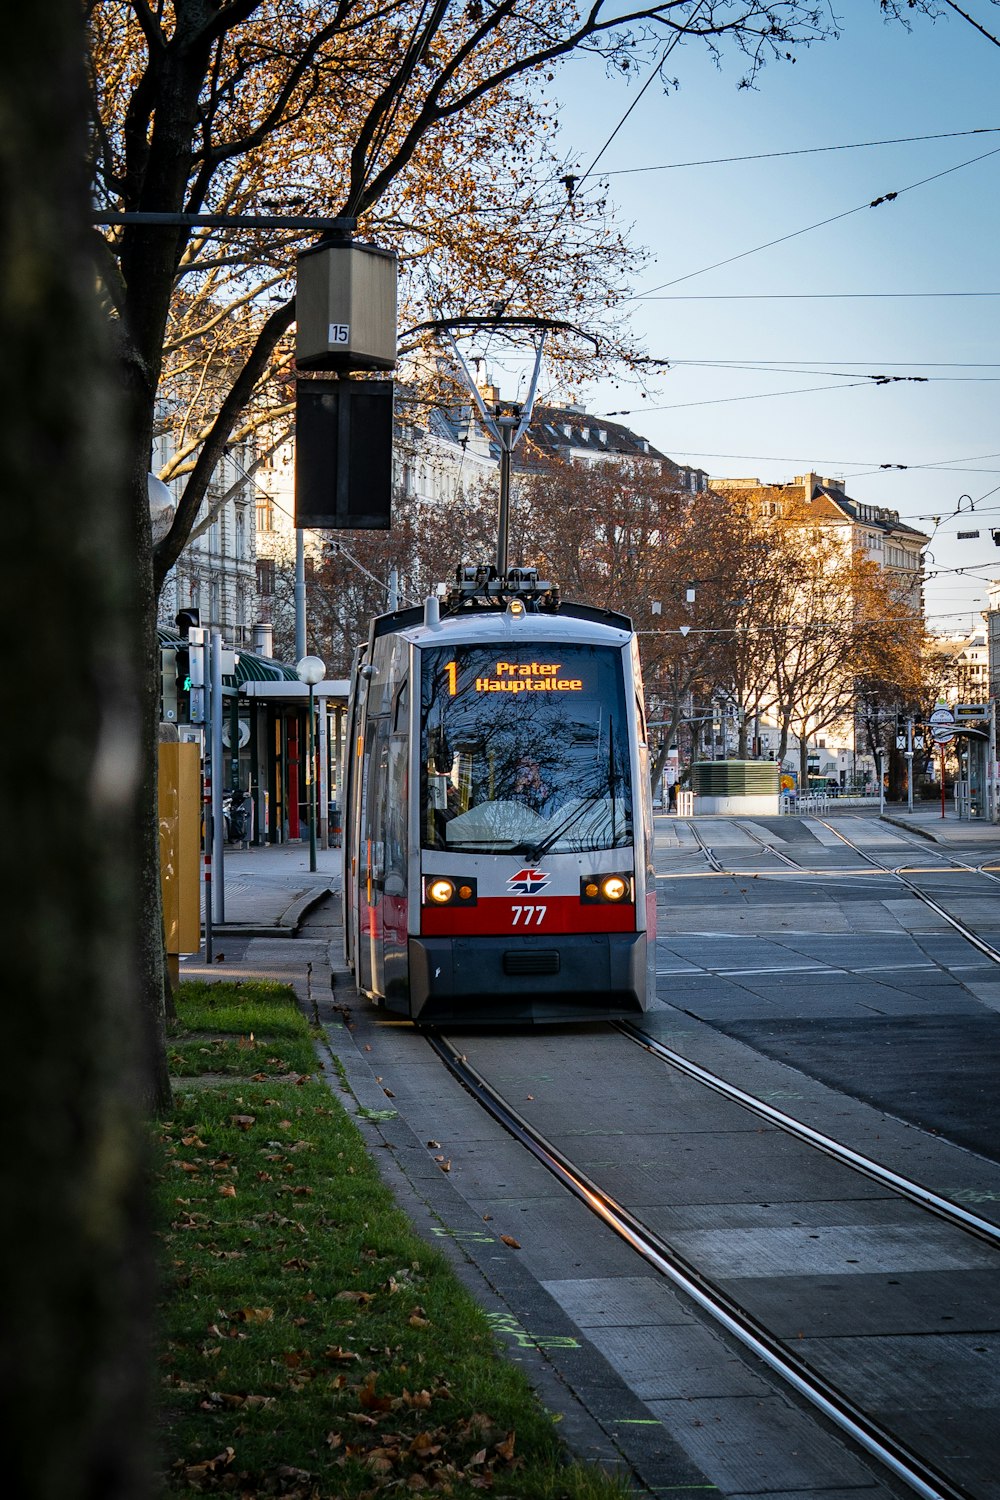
<point>442,890</point>
<point>614,889</point>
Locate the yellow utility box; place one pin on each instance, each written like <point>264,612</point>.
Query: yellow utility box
<point>180,849</point>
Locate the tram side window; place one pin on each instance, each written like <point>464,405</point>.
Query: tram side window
<point>371,851</point>
<point>396,804</point>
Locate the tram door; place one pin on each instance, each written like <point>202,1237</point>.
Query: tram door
<point>371,858</point>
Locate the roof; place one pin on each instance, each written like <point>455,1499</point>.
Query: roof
<point>873,516</point>
<point>554,429</point>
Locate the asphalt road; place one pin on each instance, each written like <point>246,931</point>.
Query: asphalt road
<point>838,970</point>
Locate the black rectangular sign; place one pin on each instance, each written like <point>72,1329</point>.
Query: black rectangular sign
<point>343,455</point>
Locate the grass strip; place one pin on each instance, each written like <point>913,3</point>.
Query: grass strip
<point>311,1346</point>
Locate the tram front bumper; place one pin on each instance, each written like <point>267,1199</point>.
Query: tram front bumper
<point>483,980</point>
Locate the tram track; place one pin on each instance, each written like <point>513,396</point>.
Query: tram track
<point>899,873</point>
<point>918,1471</point>
<point>980,944</point>
<point>951,1213</point>
<point>915,1463</point>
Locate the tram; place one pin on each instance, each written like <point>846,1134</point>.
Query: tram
<point>498,820</point>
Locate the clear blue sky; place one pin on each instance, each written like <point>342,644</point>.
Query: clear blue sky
<point>875,84</point>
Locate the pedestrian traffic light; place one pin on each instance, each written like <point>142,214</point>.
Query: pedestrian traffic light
<point>196,673</point>
<point>169,672</point>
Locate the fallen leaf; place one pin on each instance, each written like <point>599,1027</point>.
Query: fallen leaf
<point>227,1191</point>
<point>243,1122</point>
<point>369,1400</point>
<point>254,1315</point>
<point>508,1239</point>
<point>506,1448</point>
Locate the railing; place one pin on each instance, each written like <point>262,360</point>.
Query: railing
<point>685,803</point>
<point>822,802</point>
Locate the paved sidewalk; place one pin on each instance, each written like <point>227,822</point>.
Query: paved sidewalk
<point>927,821</point>
<point>267,890</point>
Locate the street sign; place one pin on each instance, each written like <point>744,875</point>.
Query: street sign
<point>942,723</point>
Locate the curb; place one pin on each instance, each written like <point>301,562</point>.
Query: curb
<point>924,833</point>
<point>286,924</point>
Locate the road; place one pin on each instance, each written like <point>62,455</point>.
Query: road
<point>800,961</point>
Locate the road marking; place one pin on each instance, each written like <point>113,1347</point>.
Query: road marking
<point>816,969</point>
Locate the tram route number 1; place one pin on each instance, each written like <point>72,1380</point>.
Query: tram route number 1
<point>527,916</point>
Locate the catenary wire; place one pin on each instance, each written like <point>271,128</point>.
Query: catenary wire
<point>808,229</point>
<point>716,161</point>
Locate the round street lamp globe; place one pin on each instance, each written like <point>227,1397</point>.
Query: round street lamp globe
<point>311,669</point>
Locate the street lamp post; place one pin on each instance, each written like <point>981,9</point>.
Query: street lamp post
<point>311,670</point>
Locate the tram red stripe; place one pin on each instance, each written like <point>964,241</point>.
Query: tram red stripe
<point>527,917</point>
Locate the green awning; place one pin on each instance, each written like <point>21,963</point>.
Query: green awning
<point>249,668</point>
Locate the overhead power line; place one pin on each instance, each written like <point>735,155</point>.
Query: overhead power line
<point>793,296</point>
<point>808,229</point>
<point>717,161</point>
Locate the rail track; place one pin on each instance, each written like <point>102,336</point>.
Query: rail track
<point>918,1465</point>
<point>920,1471</point>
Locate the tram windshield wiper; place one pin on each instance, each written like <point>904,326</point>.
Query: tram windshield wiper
<point>534,849</point>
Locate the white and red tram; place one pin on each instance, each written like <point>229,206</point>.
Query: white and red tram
<point>498,825</point>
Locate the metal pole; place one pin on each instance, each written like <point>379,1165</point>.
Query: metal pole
<point>909,764</point>
<point>992,769</point>
<point>323,759</point>
<point>218,822</point>
<point>311,783</point>
<point>206,690</point>
<point>300,596</point>
<point>506,427</point>
<point>941,755</point>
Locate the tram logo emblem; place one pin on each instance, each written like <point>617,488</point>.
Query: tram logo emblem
<point>527,882</point>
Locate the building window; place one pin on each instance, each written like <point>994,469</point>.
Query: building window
<point>265,512</point>
<point>265,577</point>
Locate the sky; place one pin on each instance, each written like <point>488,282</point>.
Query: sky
<point>772,355</point>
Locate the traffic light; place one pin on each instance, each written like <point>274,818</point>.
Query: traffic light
<point>169,673</point>
<point>195,654</point>
<point>185,618</point>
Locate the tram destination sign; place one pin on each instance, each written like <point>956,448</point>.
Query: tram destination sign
<point>518,677</point>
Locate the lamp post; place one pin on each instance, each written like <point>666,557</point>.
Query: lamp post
<point>311,670</point>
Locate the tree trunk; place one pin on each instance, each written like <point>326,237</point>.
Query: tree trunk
<point>75,1258</point>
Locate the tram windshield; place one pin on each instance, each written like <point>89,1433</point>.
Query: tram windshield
<point>524,750</point>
